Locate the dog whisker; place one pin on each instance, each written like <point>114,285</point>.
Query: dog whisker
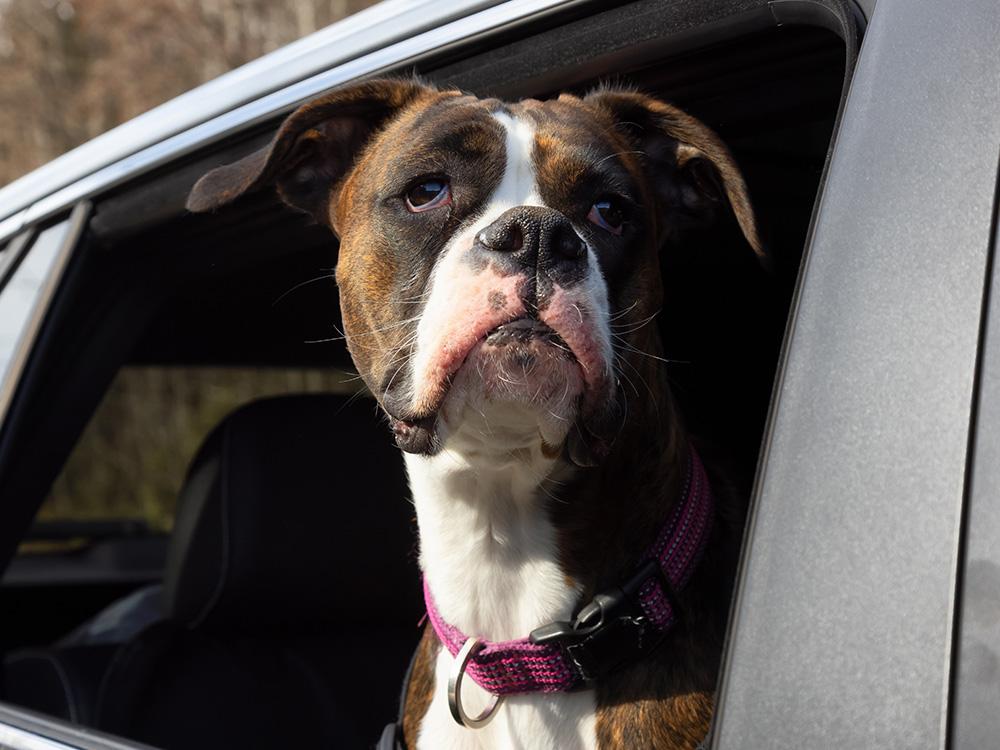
<point>405,359</point>
<point>391,326</point>
<point>629,347</point>
<point>649,390</point>
<point>629,381</point>
<point>618,153</point>
<point>410,300</point>
<point>633,327</point>
<point>503,376</point>
<point>302,284</point>
<point>341,336</point>
<point>622,313</point>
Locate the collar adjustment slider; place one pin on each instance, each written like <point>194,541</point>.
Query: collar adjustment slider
<point>610,630</point>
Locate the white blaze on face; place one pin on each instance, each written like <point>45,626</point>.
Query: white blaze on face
<point>458,313</point>
<point>464,304</point>
<point>519,186</point>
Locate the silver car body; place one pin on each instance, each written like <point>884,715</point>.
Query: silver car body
<point>849,623</point>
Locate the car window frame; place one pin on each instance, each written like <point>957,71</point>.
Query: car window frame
<point>23,729</point>
<point>10,226</point>
<point>73,227</point>
<point>12,255</point>
<point>972,715</point>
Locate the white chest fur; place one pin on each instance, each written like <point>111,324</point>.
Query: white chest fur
<point>489,554</point>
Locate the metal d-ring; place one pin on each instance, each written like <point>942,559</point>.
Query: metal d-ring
<point>468,650</point>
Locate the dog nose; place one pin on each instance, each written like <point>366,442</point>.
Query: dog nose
<point>535,237</point>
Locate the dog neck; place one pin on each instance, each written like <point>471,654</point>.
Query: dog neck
<point>512,538</point>
<point>488,547</point>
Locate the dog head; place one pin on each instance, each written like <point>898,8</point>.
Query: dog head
<point>498,262</point>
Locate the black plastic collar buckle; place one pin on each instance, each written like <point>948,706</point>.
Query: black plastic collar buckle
<point>611,630</point>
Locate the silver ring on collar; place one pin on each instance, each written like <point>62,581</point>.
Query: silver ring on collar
<point>468,650</point>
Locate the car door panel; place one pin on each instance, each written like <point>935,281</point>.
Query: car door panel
<point>842,627</point>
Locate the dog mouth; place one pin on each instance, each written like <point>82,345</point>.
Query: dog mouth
<point>524,331</point>
<point>514,356</point>
<point>524,344</point>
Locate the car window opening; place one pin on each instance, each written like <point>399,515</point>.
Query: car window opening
<point>220,311</point>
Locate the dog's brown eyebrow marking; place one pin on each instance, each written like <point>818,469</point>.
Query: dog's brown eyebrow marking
<point>446,136</point>
<point>474,139</point>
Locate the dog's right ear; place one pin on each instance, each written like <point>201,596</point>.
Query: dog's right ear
<point>313,150</point>
<point>694,173</point>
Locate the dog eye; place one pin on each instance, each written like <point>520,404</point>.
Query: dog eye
<point>428,194</point>
<point>608,214</point>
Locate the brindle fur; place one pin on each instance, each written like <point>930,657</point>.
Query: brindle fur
<point>421,687</point>
<point>614,512</point>
<point>675,170</point>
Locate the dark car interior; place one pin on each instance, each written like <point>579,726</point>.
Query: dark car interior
<point>283,609</point>
<point>241,621</point>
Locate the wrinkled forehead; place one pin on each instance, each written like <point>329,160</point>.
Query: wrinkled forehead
<point>567,121</point>
<point>576,144</point>
<point>568,138</point>
<point>463,126</point>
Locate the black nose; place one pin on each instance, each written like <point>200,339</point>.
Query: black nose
<point>536,238</point>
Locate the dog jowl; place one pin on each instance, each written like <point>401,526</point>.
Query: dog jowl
<point>499,275</point>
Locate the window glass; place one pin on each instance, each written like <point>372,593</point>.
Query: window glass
<point>20,297</point>
<point>131,460</point>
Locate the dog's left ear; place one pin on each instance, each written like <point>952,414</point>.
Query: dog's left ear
<point>313,151</point>
<point>693,171</point>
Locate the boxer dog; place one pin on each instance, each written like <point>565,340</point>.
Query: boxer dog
<point>499,276</point>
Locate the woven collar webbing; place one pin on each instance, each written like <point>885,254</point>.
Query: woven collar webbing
<point>521,666</point>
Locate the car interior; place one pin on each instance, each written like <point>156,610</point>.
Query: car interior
<point>283,607</point>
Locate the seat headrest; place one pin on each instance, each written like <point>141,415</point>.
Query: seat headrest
<point>294,516</point>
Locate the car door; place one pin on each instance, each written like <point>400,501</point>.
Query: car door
<point>843,623</point>
<point>976,687</point>
<point>32,265</point>
<point>843,626</point>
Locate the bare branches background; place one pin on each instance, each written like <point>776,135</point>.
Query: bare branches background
<point>72,69</point>
<point>133,456</point>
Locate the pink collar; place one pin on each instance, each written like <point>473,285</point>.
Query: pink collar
<point>615,627</point>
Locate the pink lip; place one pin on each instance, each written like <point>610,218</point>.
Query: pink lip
<point>574,322</point>
<point>458,360</point>
<point>492,300</point>
<point>454,361</point>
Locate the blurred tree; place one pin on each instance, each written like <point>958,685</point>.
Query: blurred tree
<point>133,456</point>
<point>71,69</point>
